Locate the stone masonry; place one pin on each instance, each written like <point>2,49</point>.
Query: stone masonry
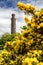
<point>13,24</point>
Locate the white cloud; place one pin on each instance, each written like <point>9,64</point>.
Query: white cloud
<point>5,20</point>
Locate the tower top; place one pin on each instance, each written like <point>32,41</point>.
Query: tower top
<point>13,15</point>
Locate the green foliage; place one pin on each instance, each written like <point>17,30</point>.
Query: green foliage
<point>7,37</point>
<point>24,27</point>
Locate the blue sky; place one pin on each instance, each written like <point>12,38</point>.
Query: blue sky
<point>7,7</point>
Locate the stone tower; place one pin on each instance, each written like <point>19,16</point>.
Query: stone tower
<point>13,24</point>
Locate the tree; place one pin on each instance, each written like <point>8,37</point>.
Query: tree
<point>7,37</point>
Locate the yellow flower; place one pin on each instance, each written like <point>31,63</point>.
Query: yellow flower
<point>41,63</point>
<point>37,13</point>
<point>28,61</point>
<point>41,24</point>
<point>21,5</point>
<point>27,20</point>
<point>5,52</point>
<point>1,59</point>
<point>33,20</point>
<point>33,25</point>
<point>38,27</point>
<point>11,62</point>
<point>28,7</point>
<point>35,60</point>
<point>33,8</point>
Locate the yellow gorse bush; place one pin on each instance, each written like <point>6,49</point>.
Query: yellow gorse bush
<point>27,49</point>
<point>27,8</point>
